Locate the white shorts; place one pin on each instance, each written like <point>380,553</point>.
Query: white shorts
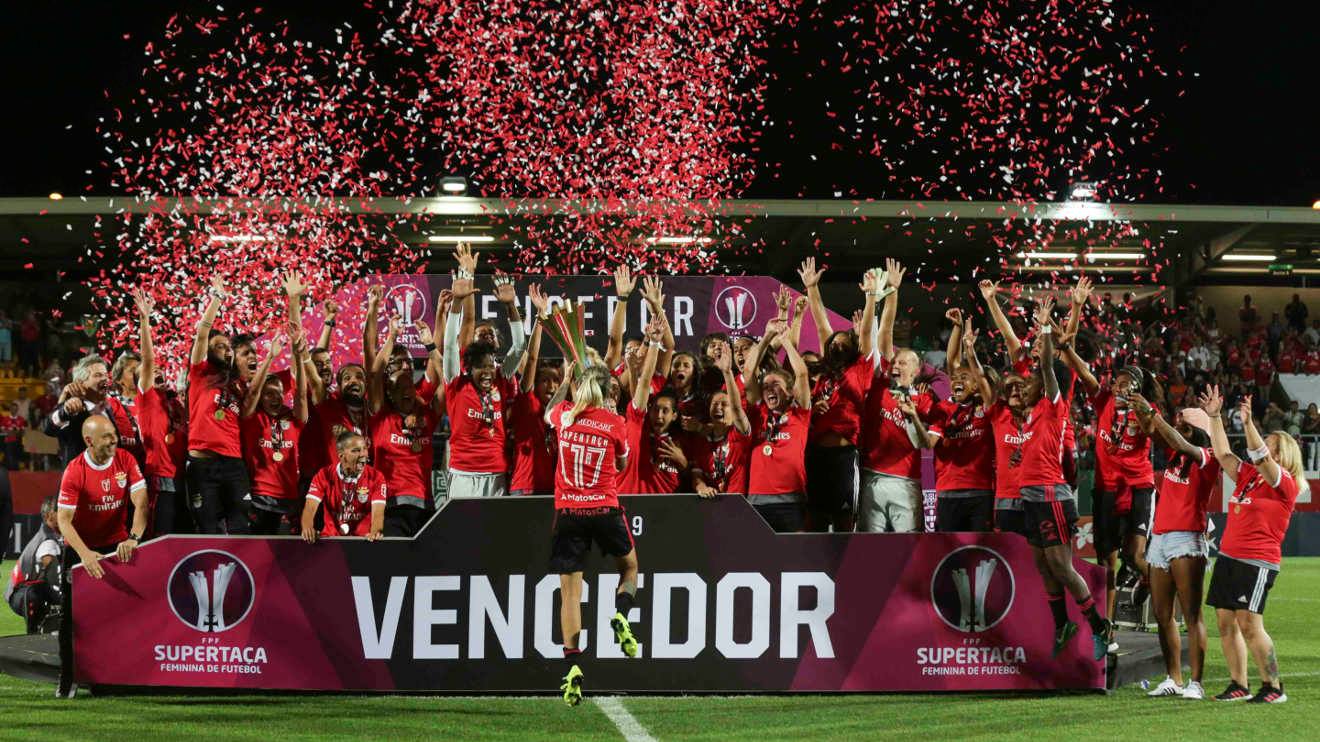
<point>1165,547</point>
<point>464,484</point>
<point>888,503</point>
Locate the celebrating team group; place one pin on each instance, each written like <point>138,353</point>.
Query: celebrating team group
<point>828,441</point>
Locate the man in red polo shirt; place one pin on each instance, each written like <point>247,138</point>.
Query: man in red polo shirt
<point>92,515</point>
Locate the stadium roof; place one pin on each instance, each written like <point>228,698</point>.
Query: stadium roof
<point>1197,243</point>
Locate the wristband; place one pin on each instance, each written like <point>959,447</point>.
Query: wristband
<point>1258,455</point>
<point>463,275</point>
<point>430,347</point>
<point>1045,330</point>
<point>329,323</point>
<point>657,345</point>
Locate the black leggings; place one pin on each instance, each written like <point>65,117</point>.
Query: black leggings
<point>216,491</point>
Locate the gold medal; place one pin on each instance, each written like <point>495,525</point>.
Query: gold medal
<point>417,446</point>
<point>1237,508</point>
<point>169,438</point>
<point>220,414</point>
<point>490,432</point>
<point>768,450</point>
<point>278,456</point>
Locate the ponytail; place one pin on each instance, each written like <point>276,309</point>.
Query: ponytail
<point>588,392</point>
<point>1290,459</point>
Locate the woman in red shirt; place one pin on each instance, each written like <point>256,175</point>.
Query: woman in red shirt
<point>1249,551</point>
<point>270,432</point>
<point>723,451</point>
<point>593,450</point>
<point>534,441</point>
<point>1177,552</point>
<point>779,418</point>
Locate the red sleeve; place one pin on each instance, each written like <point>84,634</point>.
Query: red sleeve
<point>379,491</point>
<point>556,419</point>
<point>317,489</point>
<point>621,439</point>
<point>69,488</point>
<point>427,389</point>
<point>939,415</point>
<point>135,478</point>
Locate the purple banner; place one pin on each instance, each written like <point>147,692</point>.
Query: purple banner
<point>725,605</point>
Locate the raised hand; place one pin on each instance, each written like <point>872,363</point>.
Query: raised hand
<point>868,282</point>
<point>541,302</point>
<point>624,283</point>
<point>799,306</point>
<point>654,293</point>
<point>293,284</point>
<point>467,259</point>
<point>671,451</point>
<point>969,335</point>
<point>775,327</point>
<point>1244,409</point>
<point>462,288</point>
<point>655,329</point>
<point>145,304</point>
<point>330,309</point>
<point>445,299</point>
<point>1081,293</point>
<point>396,326</point>
<point>424,335</point>
<point>218,286</point>
<point>808,273</point>
<point>505,291</point>
<point>954,315</point>
<point>988,289</point>
<point>1211,401</point>
<point>783,298</point>
<point>723,356</point>
<point>1043,311</point>
<point>375,294</point>
<point>1139,404</point>
<point>894,272</point>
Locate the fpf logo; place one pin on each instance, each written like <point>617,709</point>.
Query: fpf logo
<point>406,302</point>
<point>211,591</point>
<point>972,589</point>
<point>735,307</point>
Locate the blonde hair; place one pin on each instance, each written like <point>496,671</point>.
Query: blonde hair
<point>588,391</point>
<point>1290,459</point>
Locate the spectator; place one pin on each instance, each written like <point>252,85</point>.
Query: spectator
<point>6,337</point>
<point>23,404</point>
<point>12,428</point>
<point>1274,418</point>
<point>1312,335</point>
<point>1296,313</point>
<point>1311,421</point>
<point>34,586</point>
<point>1248,318</point>
<point>1293,419</point>
<point>1177,391</point>
<point>54,376</point>
<point>29,346</point>
<point>1274,332</point>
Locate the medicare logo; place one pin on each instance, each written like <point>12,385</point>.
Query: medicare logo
<point>211,591</point>
<point>972,589</point>
<point>735,308</point>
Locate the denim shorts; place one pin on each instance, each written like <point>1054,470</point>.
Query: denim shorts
<point>1165,547</point>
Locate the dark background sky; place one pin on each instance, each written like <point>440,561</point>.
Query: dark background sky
<point>1245,133</point>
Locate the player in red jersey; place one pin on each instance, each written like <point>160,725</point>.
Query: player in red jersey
<point>1008,416</point>
<point>1178,548</point>
<point>779,416</point>
<point>962,435</point>
<point>1249,551</point>
<point>895,432</point>
<point>351,495</point>
<point>593,450</point>
<point>94,494</point>
<point>1047,501</point>
<point>271,431</point>
<point>723,451</point>
<point>162,419</point>
<point>403,419</point>
<point>475,399</point>
<point>623,356</point>
<point>218,483</point>
<point>658,461</point>
<point>534,445</point>
<point>839,396</point>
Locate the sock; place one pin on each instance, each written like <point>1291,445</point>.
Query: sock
<point>1087,607</point>
<point>571,657</point>
<point>1059,609</point>
<point>624,602</point>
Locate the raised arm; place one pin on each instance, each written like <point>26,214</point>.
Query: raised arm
<point>990,292</point>
<point>1080,294</point>
<point>370,331</point>
<point>811,285</point>
<point>507,294</point>
<point>294,288</point>
<point>894,278</point>
<point>799,313</point>
<point>301,363</point>
<point>434,359</point>
<point>253,396</point>
<point>561,393</point>
<point>467,267</point>
<point>329,312</point>
<point>653,292</point>
<point>202,338</point>
<point>1046,333</point>
<point>801,376</point>
<point>623,288</point>
<point>642,391</point>
<point>1067,349</point>
<point>724,362</point>
<point>540,303</point>
<point>461,290</point>
<point>147,370</point>
<point>1213,404</point>
<point>986,391</point>
<point>1256,448</point>
<point>953,351</point>
<point>376,372</point>
<point>1152,420</point>
<point>870,292</point>
<point>753,361</point>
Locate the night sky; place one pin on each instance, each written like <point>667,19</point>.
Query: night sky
<point>1243,133</point>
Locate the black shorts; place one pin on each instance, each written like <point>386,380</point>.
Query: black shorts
<point>576,529</point>
<point>975,513</point>
<point>831,481</point>
<point>1111,529</point>
<point>1011,520</point>
<point>783,517</point>
<point>1238,586</point>
<point>1050,523</point>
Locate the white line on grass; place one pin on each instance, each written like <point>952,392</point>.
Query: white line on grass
<point>627,724</point>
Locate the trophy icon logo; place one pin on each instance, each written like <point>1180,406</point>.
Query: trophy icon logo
<point>211,591</point>
<point>972,589</point>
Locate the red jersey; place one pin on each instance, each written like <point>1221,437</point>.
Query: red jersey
<point>847,398</point>
<point>333,418</point>
<point>97,496</point>
<point>886,448</point>
<point>782,470</point>
<point>1258,515</point>
<point>1122,451</point>
<point>347,502</point>
<point>163,423</point>
<point>213,408</point>
<point>586,475</point>
<point>402,452</point>
<point>1313,362</point>
<point>1009,438</point>
<point>476,425</point>
<point>1042,453</point>
<point>648,472</point>
<point>123,414</point>
<point>270,450</point>
<point>533,446</point>
<point>964,457</point>
<point>1185,491</point>
<point>723,460</point>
